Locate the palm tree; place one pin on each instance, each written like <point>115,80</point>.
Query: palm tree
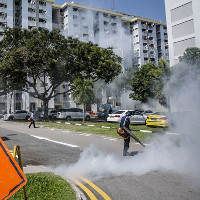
<point>82,92</point>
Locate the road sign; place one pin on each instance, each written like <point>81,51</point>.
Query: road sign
<point>11,176</point>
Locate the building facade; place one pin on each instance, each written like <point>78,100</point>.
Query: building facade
<point>183,22</point>
<point>137,40</point>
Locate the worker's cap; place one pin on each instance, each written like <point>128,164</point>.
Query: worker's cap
<point>128,114</point>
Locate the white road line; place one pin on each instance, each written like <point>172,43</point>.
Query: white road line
<point>90,125</point>
<point>145,131</point>
<point>167,133</point>
<point>85,134</point>
<point>43,138</point>
<point>113,139</point>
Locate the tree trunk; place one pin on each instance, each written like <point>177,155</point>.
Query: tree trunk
<point>83,112</point>
<point>46,104</point>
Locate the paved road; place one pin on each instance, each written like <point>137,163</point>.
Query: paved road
<point>52,147</point>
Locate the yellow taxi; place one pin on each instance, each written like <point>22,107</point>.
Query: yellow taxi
<point>157,119</point>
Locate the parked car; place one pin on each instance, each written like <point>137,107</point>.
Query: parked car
<point>116,116</point>
<point>18,114</point>
<point>137,118</point>
<point>157,119</point>
<point>51,113</point>
<point>72,113</point>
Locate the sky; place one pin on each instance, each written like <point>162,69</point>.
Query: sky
<point>153,9</point>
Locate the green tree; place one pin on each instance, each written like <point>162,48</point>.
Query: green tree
<point>191,56</point>
<point>149,82</point>
<point>83,93</point>
<point>46,57</point>
<point>188,66</point>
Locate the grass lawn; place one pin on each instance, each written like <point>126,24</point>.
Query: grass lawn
<point>97,128</point>
<point>45,186</point>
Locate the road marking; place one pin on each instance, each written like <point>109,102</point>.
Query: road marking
<point>167,133</point>
<point>85,189</point>
<point>78,124</point>
<point>90,125</point>
<point>85,134</point>
<point>113,139</point>
<point>92,185</point>
<point>101,192</point>
<point>47,139</point>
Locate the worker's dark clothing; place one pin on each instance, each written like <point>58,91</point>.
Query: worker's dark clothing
<point>126,141</point>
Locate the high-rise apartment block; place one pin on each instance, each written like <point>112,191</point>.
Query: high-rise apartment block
<point>137,40</point>
<point>183,22</point>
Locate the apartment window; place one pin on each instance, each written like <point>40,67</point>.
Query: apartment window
<point>3,24</point>
<point>42,11</point>
<point>105,23</point>
<point>31,18</point>
<point>31,10</point>
<point>3,15</point>
<point>75,9</point>
<point>42,3</point>
<point>18,106</point>
<point>3,5</point>
<point>85,35</point>
<point>113,17</point>
<point>18,96</point>
<point>31,1</point>
<point>114,24</point>
<point>42,20</point>
<point>96,15</point>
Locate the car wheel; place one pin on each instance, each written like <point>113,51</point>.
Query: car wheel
<point>68,118</point>
<point>87,118</point>
<point>10,118</point>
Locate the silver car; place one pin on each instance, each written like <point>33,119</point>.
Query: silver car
<point>71,114</point>
<point>137,118</point>
<point>18,114</point>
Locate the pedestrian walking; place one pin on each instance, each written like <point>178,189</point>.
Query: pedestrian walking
<point>125,121</point>
<point>32,119</point>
